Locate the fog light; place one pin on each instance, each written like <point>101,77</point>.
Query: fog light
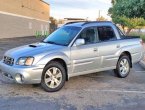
<point>19,78</point>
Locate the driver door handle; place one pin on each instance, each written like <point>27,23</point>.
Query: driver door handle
<point>118,46</point>
<point>95,49</point>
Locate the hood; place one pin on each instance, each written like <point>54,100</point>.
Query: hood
<point>32,50</point>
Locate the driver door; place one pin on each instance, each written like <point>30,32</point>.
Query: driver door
<point>85,58</point>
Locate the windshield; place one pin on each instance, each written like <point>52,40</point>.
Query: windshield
<point>63,36</point>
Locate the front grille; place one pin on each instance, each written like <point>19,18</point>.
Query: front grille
<point>8,60</point>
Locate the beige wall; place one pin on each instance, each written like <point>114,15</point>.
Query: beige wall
<point>31,8</point>
<point>13,26</point>
<point>20,18</point>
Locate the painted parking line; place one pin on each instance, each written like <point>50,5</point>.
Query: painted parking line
<point>140,71</point>
<point>94,76</point>
<point>116,91</point>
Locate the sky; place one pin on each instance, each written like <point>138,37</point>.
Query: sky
<point>79,8</point>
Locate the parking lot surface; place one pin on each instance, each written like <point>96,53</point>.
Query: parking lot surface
<point>97,91</point>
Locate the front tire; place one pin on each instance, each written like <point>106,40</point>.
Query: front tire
<point>53,77</point>
<point>123,67</point>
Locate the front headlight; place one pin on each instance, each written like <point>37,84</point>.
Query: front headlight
<point>25,61</point>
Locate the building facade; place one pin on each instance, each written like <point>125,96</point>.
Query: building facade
<point>20,18</point>
<point>67,20</point>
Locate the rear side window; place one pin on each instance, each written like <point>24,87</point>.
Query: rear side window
<point>106,33</point>
<point>122,35</point>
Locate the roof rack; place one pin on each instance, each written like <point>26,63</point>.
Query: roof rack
<point>74,22</point>
<point>89,22</point>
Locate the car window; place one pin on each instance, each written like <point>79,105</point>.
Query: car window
<point>63,36</point>
<point>122,35</point>
<point>89,35</point>
<point>106,33</point>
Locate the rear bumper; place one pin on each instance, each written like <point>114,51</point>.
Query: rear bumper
<point>29,74</point>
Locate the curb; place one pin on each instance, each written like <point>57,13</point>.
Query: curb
<point>142,63</point>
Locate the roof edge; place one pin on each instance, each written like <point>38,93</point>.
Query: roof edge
<point>44,2</point>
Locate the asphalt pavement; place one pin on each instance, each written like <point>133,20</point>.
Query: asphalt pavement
<point>96,91</point>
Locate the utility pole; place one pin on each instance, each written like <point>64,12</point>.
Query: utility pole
<point>99,14</point>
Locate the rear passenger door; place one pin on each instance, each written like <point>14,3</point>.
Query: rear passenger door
<point>108,46</point>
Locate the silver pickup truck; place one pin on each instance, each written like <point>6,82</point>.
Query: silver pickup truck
<point>74,49</point>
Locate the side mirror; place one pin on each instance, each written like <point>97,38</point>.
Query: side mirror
<point>79,42</point>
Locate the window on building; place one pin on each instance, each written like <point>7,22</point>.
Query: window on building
<point>30,25</point>
<point>46,27</point>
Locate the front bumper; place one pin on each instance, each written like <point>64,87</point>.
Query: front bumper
<point>30,74</point>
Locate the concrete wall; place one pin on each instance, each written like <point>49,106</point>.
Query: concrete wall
<point>19,18</point>
<point>31,8</point>
<point>13,26</point>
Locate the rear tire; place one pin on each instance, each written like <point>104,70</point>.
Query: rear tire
<point>53,77</point>
<point>123,67</point>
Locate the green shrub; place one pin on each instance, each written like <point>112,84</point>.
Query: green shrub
<point>142,37</point>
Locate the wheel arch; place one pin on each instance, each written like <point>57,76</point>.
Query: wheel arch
<point>127,54</point>
<point>61,61</point>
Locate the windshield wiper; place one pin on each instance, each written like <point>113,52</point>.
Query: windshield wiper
<point>51,42</point>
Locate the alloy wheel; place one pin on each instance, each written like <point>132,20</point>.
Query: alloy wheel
<point>53,77</point>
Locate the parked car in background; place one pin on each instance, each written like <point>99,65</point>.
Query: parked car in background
<point>74,49</point>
